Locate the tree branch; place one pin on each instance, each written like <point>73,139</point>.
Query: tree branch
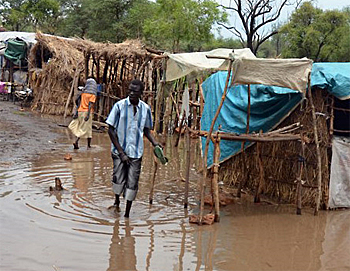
<point>234,31</point>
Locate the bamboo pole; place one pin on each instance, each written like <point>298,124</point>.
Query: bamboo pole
<point>155,168</point>
<point>215,178</point>
<point>318,153</point>
<point>188,163</point>
<point>202,183</point>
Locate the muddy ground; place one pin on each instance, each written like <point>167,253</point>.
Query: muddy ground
<point>24,133</point>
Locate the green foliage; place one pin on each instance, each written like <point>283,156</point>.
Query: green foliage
<point>181,25</point>
<point>316,34</point>
<point>30,15</point>
<point>95,19</point>
<point>131,25</point>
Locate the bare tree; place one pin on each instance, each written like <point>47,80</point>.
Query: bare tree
<point>254,15</point>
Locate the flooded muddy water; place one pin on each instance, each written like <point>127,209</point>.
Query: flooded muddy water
<point>75,230</point>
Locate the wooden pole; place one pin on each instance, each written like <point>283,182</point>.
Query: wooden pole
<point>73,87</point>
<point>201,99</point>
<point>183,120</point>
<point>318,153</point>
<point>251,137</point>
<point>155,168</point>
<point>159,97</point>
<point>331,125</point>
<point>202,183</point>
<point>188,162</point>
<point>87,58</point>
<point>216,178</point>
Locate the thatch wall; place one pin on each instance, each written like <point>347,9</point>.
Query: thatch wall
<point>58,66</point>
<point>115,65</point>
<point>280,160</point>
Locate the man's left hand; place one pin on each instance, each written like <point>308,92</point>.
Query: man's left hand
<point>158,144</point>
<point>86,118</point>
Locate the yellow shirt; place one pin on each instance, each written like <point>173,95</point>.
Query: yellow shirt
<point>84,103</point>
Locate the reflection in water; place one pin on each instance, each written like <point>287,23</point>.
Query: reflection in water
<point>336,244</point>
<point>74,230</point>
<point>122,248</point>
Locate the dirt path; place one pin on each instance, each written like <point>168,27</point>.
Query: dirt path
<point>24,134</point>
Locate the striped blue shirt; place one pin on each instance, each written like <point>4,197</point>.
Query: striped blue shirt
<point>129,127</point>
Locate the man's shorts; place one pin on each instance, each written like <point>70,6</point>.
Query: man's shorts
<point>126,177</point>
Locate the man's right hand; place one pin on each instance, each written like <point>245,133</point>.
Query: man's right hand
<point>125,159</point>
<point>75,116</point>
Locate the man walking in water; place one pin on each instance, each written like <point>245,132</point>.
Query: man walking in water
<point>128,121</point>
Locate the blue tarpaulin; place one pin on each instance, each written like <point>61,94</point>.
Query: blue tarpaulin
<point>269,105</point>
<point>335,77</point>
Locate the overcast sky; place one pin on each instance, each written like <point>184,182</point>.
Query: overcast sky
<point>332,4</point>
<point>323,4</point>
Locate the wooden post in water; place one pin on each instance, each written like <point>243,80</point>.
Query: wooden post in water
<point>318,153</point>
<point>216,177</point>
<point>205,158</point>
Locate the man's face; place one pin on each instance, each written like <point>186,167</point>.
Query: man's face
<point>134,94</point>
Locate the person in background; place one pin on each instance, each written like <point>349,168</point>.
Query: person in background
<point>128,121</point>
<point>81,125</point>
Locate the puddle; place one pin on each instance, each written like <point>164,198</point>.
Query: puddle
<point>75,230</point>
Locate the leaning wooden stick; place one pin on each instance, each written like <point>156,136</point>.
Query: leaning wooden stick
<point>216,178</point>
<point>73,87</point>
<point>205,158</point>
<point>155,168</point>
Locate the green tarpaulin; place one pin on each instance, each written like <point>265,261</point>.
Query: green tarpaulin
<point>16,52</point>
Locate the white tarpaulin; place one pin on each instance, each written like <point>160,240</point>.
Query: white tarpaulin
<point>180,65</point>
<point>339,187</point>
<point>289,73</point>
<point>247,69</point>
<point>26,36</point>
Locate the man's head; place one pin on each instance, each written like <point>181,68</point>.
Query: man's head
<point>135,91</point>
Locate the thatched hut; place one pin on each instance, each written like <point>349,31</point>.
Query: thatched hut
<point>59,65</point>
<point>296,166</point>
<point>53,63</point>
